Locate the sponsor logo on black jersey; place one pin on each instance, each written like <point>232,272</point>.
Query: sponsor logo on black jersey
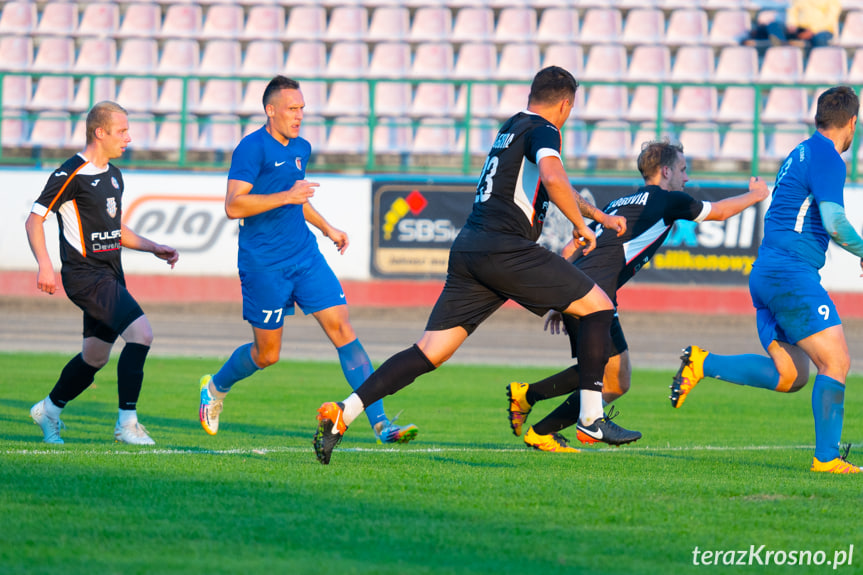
<point>112,207</point>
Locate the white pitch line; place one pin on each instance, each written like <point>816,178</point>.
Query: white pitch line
<point>399,450</point>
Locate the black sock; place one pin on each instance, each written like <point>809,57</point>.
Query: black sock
<point>594,344</point>
<point>395,373</point>
<point>130,374</point>
<point>558,384</point>
<point>562,417</point>
<point>74,379</point>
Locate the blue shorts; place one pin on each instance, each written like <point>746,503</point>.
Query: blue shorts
<point>790,304</point>
<point>270,295</point>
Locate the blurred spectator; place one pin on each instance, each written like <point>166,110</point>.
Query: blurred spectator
<point>810,23</point>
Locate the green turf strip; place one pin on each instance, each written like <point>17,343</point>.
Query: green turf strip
<point>726,472</point>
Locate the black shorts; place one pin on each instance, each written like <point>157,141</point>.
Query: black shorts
<point>108,306</point>
<point>478,283</point>
<point>618,342</point>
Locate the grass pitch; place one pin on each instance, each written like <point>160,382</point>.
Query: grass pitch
<point>728,472</point>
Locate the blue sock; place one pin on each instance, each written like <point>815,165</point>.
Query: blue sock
<point>828,407</point>
<point>239,366</point>
<point>747,369</point>
<point>357,366</point>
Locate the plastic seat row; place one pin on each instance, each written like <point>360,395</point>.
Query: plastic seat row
<point>383,23</point>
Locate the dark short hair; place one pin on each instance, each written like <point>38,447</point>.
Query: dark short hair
<point>99,116</point>
<point>836,107</point>
<point>657,154</point>
<point>278,84</point>
<point>551,85</point>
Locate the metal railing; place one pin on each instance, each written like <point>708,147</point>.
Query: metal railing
<point>461,160</point>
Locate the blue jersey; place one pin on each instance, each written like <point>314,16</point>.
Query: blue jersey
<point>814,172</point>
<point>277,238</point>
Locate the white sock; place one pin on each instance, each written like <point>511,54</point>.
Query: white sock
<point>50,409</point>
<point>215,393</point>
<point>127,417</point>
<point>591,406</point>
<point>353,408</point>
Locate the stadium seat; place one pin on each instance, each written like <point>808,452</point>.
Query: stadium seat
<point>179,57</point>
<point>182,21</point>
<point>686,26</point>
<point>605,103</point>
<point>574,139</point>
<point>138,56</point>
<point>827,65</point>
<point>433,60</point>
<point>169,132</point>
<point>512,100</point>
<point>142,128</point>
<point>348,135</point>
<point>649,63</point>
<point>51,130</point>
<point>309,60</point>
<point>96,55</point>
<point>16,54</point>
<point>431,24</point>
<point>515,24</point>
<point>518,62</point>
<point>434,136</point>
<point>264,22</point>
<point>391,60</point>
<point>348,98</point>
<point>13,128</point>
<point>700,140</point>
<point>476,61</point>
<point>55,54</point>
<point>306,23</point>
<point>392,136</point>
<point>694,103</point>
<point>558,25</point>
<point>785,138</point>
<point>566,55</point>
<point>784,64</point>
<point>729,27</point>
<point>221,132</point>
<point>475,24</point>
<point>643,26</point>
<point>313,129</point>
<point>220,58</point>
<point>647,132</point>
<point>99,19</point>
<point>141,21</point>
<point>737,64</point>
<point>348,23</point>
<point>58,18</point>
<point>389,24</point>
<point>478,138</point>
<point>262,59</point>
<point>609,139</point>
<point>737,143</point>
<point>600,26</point>
<point>222,22</point>
<point>605,62</point>
<point>851,34</point>
<point>18,18</point>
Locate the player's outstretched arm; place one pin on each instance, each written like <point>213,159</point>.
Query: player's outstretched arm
<point>724,209</point>
<point>133,241</point>
<point>45,279</point>
<point>840,229</point>
<point>315,218</point>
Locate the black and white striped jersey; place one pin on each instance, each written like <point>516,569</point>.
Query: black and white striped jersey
<point>511,201</point>
<point>650,213</point>
<point>87,202</point>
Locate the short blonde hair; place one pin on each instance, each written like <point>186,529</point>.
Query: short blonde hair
<point>99,116</point>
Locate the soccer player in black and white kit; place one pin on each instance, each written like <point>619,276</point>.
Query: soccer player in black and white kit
<point>86,192</point>
<point>650,213</point>
<point>496,258</point>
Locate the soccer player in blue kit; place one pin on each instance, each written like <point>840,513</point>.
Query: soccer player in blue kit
<point>495,258</point>
<point>797,320</point>
<point>279,262</point>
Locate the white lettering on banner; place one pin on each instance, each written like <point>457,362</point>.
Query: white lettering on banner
<point>736,232</point>
<point>425,230</point>
<point>190,224</point>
